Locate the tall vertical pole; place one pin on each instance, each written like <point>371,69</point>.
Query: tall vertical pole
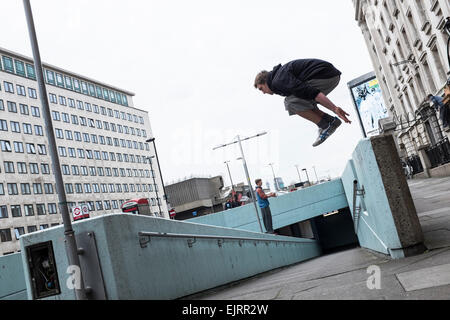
<point>154,183</point>
<point>159,169</point>
<point>307,177</point>
<point>249,183</point>
<point>317,179</point>
<point>229,173</point>
<point>69,234</point>
<point>277,188</point>
<point>298,172</point>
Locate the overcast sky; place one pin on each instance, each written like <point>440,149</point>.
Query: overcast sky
<point>192,66</point>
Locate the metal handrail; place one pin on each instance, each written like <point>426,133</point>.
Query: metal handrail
<point>203,236</point>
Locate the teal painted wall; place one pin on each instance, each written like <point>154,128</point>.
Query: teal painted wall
<point>286,209</point>
<point>168,268</point>
<point>12,280</point>
<point>376,229</point>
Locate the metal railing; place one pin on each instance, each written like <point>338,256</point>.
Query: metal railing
<point>357,209</point>
<point>145,237</point>
<point>439,154</point>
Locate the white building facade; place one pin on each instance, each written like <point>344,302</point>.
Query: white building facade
<point>102,147</point>
<point>407,43</point>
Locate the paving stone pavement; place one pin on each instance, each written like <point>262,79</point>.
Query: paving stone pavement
<point>346,274</point>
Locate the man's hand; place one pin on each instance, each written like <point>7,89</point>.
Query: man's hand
<point>342,114</point>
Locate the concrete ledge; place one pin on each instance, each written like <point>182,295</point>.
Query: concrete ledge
<point>169,268</point>
<point>441,171</point>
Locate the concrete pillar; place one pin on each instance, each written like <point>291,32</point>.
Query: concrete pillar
<point>399,197</point>
<point>425,161</point>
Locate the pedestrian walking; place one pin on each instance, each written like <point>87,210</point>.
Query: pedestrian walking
<point>306,83</point>
<point>264,205</point>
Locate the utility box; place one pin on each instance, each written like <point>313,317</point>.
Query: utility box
<point>42,270</point>
<point>137,206</point>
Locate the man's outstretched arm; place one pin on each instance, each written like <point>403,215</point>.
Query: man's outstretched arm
<point>324,101</point>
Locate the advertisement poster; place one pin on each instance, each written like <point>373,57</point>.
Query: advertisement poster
<point>369,104</point>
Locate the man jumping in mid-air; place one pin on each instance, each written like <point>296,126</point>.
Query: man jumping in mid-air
<point>305,83</point>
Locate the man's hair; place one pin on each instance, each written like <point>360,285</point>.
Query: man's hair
<point>257,181</point>
<point>429,96</point>
<point>261,78</point>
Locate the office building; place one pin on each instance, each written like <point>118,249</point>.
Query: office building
<point>101,140</point>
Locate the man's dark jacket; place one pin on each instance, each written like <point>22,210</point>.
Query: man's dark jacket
<point>291,78</point>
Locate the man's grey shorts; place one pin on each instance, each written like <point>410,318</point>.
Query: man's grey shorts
<point>294,104</point>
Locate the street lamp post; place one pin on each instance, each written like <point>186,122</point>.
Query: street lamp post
<point>317,179</point>
<point>277,188</point>
<point>307,177</point>
<point>154,183</point>
<point>299,177</point>
<point>229,173</point>
<point>239,141</point>
<point>69,234</point>
<point>159,169</point>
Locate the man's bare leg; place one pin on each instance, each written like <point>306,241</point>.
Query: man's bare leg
<point>314,115</point>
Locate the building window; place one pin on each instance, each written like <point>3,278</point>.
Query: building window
<point>27,128</point>
<point>25,188</point>
<point>78,188</point>
<point>31,149</point>
<point>38,130</point>
<point>15,211</point>
<point>48,188</point>
<point>45,168</point>
<point>37,188</point>
<point>56,116</point>
<point>34,168</point>
<point>50,76</point>
<point>32,93</point>
<point>40,208</point>
<point>9,166</point>
<point>75,170</point>
<point>52,208</point>
<point>12,189</point>
<point>12,107</point>
<point>59,133</point>
<point>42,150</point>
<point>3,125</point>
<point>5,235</point>
<point>31,229</point>
<point>65,117</point>
<point>9,87</point>
<point>31,72</point>
<point>15,126</point>
<point>69,188</point>
<point>24,109</point>
<point>99,205</point>
<point>21,167</point>
<point>53,98</point>
<point>35,112</point>
<point>65,169</point>
<point>5,145</point>
<point>21,90</point>
<point>87,188</point>
<point>8,64</point>
<point>3,212</point>
<point>29,210</point>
